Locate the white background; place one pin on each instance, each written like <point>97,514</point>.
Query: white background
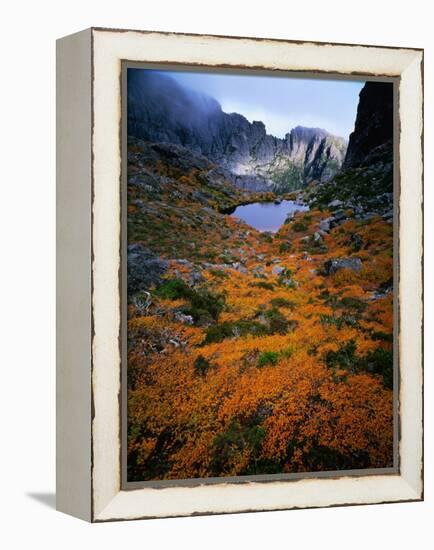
<point>27,218</point>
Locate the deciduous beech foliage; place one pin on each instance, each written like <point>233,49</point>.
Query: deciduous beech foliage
<point>253,353</point>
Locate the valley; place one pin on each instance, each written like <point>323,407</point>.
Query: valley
<point>258,351</point>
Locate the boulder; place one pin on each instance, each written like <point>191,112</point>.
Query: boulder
<point>183,318</point>
<point>325,225</point>
<point>278,270</point>
<point>239,267</point>
<point>145,269</point>
<point>195,277</point>
<point>336,264</point>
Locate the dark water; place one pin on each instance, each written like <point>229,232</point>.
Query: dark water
<point>267,216</point>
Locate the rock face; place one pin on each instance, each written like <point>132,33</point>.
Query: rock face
<point>161,110</point>
<point>145,157</point>
<point>365,182</point>
<point>145,269</point>
<point>374,124</point>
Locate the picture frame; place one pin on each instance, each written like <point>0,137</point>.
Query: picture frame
<point>91,272</point>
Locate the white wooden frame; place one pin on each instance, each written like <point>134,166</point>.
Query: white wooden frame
<point>88,264</point>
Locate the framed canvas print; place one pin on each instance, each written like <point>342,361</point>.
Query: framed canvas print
<point>239,268</point>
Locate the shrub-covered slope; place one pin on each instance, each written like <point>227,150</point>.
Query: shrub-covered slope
<point>251,353</point>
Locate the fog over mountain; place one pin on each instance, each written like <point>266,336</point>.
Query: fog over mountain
<point>162,110</point>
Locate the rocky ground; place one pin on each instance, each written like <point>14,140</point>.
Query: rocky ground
<point>249,352</point>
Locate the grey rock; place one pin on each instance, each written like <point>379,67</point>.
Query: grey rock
<point>145,180</point>
<point>324,225</point>
<point>335,204</point>
<point>378,294</point>
<point>195,277</point>
<point>145,269</point>
<point>278,270</point>
<point>336,264</point>
<point>239,267</point>
<point>182,318</point>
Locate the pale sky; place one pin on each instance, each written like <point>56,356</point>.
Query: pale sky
<point>281,102</point>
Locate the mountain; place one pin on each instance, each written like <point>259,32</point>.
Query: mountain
<point>252,352</point>
<point>365,182</point>
<point>373,131</point>
<point>161,110</point>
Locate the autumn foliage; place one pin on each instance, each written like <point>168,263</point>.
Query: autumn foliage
<point>263,372</point>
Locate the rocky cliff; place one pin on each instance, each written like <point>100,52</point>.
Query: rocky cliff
<point>365,182</point>
<point>373,131</point>
<point>161,110</point>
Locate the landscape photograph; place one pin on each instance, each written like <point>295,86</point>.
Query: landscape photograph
<point>260,261</point>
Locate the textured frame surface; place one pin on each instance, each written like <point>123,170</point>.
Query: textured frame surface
<point>109,48</point>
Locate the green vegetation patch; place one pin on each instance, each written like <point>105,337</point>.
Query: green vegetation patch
<point>221,331</point>
<point>204,306</point>
<point>229,445</point>
<point>288,179</point>
<point>299,227</point>
<point>262,284</point>
<point>202,365</point>
<point>267,358</point>
<point>379,362</point>
<point>282,302</point>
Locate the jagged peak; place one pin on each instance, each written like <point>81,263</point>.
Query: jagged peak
<point>162,110</point>
<point>306,134</point>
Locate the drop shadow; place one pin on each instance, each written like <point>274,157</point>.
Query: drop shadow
<point>47,499</point>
